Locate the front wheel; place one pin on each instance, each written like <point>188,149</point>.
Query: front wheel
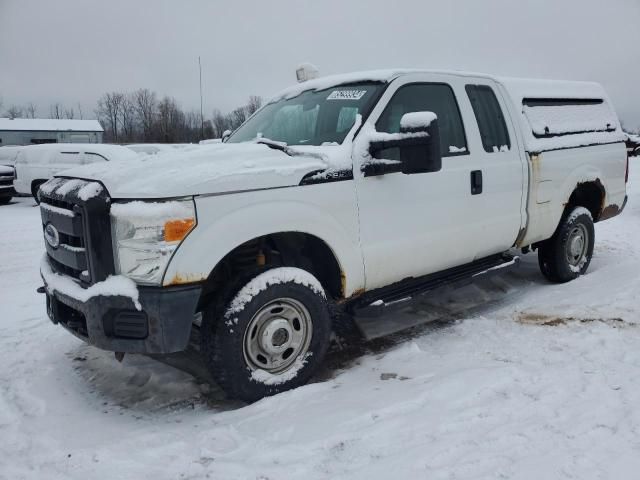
<point>567,254</point>
<point>267,333</point>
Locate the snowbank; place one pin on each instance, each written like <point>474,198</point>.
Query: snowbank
<point>534,381</point>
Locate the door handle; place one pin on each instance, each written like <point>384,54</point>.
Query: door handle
<point>476,182</point>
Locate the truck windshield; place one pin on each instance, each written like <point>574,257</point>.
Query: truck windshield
<point>315,117</point>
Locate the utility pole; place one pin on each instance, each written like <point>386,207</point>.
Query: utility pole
<point>201,112</point>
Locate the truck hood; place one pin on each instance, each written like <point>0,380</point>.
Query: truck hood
<point>202,169</point>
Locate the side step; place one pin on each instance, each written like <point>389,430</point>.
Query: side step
<point>400,295</point>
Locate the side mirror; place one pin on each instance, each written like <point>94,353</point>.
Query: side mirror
<point>225,135</point>
<point>418,142</point>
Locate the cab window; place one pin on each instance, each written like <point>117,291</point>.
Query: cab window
<point>420,97</point>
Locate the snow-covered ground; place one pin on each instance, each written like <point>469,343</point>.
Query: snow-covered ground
<point>541,382</point>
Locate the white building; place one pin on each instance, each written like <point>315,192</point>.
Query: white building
<point>29,131</point>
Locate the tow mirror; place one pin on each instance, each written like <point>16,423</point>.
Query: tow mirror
<point>418,143</point>
<point>225,135</point>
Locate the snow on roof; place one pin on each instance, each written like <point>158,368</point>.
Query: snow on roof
<point>50,125</point>
<point>329,81</point>
<point>563,124</point>
<point>574,125</point>
<point>518,88</point>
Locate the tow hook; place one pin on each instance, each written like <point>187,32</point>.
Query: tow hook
<point>119,356</point>
<point>41,289</point>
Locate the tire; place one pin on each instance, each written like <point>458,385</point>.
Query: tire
<point>35,186</point>
<point>267,333</point>
<point>5,200</point>
<point>567,254</point>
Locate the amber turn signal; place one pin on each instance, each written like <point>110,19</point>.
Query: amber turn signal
<point>176,230</point>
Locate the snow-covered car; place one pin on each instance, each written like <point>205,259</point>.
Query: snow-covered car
<point>353,193</point>
<point>156,148</point>
<point>35,164</point>
<point>8,155</point>
<point>7,176</point>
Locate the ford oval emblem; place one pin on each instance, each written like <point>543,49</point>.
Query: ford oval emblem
<point>52,236</point>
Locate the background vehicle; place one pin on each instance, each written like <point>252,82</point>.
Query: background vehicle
<point>7,175</point>
<point>8,155</point>
<point>35,164</point>
<point>156,148</point>
<point>358,192</point>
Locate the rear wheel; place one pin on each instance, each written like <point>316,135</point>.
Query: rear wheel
<point>267,333</point>
<point>5,200</point>
<point>567,254</point>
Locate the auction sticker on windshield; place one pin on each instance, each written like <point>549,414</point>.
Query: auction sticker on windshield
<point>346,95</point>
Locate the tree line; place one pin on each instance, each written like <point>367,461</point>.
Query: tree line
<point>142,116</point>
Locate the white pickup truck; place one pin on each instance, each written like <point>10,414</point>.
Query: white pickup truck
<point>357,191</point>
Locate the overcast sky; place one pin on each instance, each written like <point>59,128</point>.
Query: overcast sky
<point>72,51</point>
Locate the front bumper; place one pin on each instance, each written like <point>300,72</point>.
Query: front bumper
<point>7,192</point>
<point>113,323</point>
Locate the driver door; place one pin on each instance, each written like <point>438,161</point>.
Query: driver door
<point>415,224</point>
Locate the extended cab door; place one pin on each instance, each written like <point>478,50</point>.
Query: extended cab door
<point>499,202</point>
<point>414,224</point>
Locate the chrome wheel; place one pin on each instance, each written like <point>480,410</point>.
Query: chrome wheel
<point>577,245</point>
<point>277,335</point>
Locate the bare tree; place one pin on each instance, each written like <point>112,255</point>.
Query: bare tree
<point>69,113</point>
<point>170,120</point>
<point>128,118</point>
<point>208,129</point>
<point>219,122</point>
<point>80,111</point>
<point>237,117</point>
<point>31,110</point>
<point>14,111</point>
<point>146,105</point>
<point>255,102</point>
<point>55,111</point>
<point>109,110</point>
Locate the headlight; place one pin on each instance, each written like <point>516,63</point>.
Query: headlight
<point>145,235</point>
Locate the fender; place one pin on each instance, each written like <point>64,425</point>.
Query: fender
<point>556,174</point>
<point>225,222</point>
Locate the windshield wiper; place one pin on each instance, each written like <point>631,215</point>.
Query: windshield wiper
<point>282,146</point>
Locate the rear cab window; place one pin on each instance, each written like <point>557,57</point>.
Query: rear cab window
<point>490,119</point>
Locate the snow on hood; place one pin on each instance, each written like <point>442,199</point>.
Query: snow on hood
<point>206,169</point>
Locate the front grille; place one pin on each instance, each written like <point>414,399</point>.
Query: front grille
<point>6,181</point>
<point>70,256</point>
<point>80,228</point>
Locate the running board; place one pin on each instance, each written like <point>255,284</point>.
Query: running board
<point>399,295</point>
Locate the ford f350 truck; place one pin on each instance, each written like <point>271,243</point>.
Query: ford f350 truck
<point>358,191</point>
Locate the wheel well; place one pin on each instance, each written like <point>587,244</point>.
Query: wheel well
<point>589,195</point>
<point>35,184</point>
<point>293,249</point>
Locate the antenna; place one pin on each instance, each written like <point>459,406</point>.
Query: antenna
<point>201,114</point>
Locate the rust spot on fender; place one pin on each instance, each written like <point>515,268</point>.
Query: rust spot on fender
<point>610,211</point>
<point>186,278</point>
<point>353,296</point>
<point>343,283</point>
<point>520,237</point>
